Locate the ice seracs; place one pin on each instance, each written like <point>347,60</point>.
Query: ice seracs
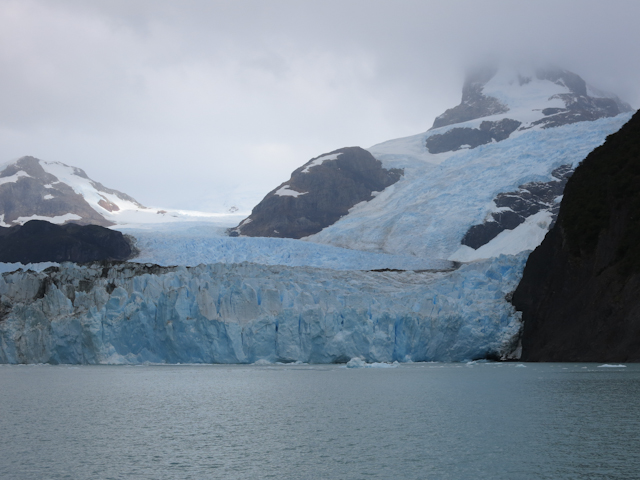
<point>431,208</point>
<point>244,313</point>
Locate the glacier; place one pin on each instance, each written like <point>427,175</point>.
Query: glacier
<point>428,211</point>
<point>200,243</point>
<point>195,295</point>
<point>243,313</point>
<point>414,224</point>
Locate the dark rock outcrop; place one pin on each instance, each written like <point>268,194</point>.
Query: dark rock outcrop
<point>318,194</point>
<point>456,138</point>
<point>39,241</point>
<point>474,104</point>
<point>579,106</point>
<point>528,200</point>
<point>580,291</point>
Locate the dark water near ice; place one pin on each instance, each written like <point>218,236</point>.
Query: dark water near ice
<point>420,421</point>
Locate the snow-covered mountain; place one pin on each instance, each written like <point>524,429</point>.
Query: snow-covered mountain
<point>32,189</point>
<point>523,98</point>
<point>486,179</point>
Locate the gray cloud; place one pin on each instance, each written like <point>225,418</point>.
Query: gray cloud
<point>199,104</point>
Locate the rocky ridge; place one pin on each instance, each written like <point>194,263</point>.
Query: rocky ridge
<point>318,194</point>
<point>513,208</point>
<point>569,101</point>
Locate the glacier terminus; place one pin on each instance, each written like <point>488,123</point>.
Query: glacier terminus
<point>421,270</point>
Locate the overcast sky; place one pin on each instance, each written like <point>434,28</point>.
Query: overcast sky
<point>209,104</point>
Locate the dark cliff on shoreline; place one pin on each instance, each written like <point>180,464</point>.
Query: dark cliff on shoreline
<point>40,241</point>
<point>580,291</point>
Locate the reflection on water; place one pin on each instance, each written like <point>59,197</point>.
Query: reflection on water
<point>433,421</point>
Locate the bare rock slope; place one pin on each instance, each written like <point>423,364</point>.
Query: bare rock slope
<point>318,194</point>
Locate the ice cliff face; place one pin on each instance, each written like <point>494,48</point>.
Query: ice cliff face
<point>242,313</point>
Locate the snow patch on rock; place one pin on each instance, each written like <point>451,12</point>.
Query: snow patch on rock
<point>58,220</point>
<point>320,160</point>
<point>13,178</point>
<point>285,191</point>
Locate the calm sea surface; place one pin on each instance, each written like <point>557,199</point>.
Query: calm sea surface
<point>418,421</point>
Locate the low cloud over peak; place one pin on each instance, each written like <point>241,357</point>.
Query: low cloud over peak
<point>199,104</point>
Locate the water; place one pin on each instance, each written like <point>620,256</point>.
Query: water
<point>420,421</point>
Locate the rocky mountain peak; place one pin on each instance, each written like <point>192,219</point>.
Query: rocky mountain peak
<point>318,194</point>
<point>496,102</point>
<point>555,92</point>
<point>474,104</point>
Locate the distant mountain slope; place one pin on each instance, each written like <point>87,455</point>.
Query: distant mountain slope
<point>580,291</point>
<point>318,194</point>
<point>31,189</point>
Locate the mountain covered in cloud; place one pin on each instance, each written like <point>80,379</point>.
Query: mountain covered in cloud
<point>485,179</point>
<point>548,97</point>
